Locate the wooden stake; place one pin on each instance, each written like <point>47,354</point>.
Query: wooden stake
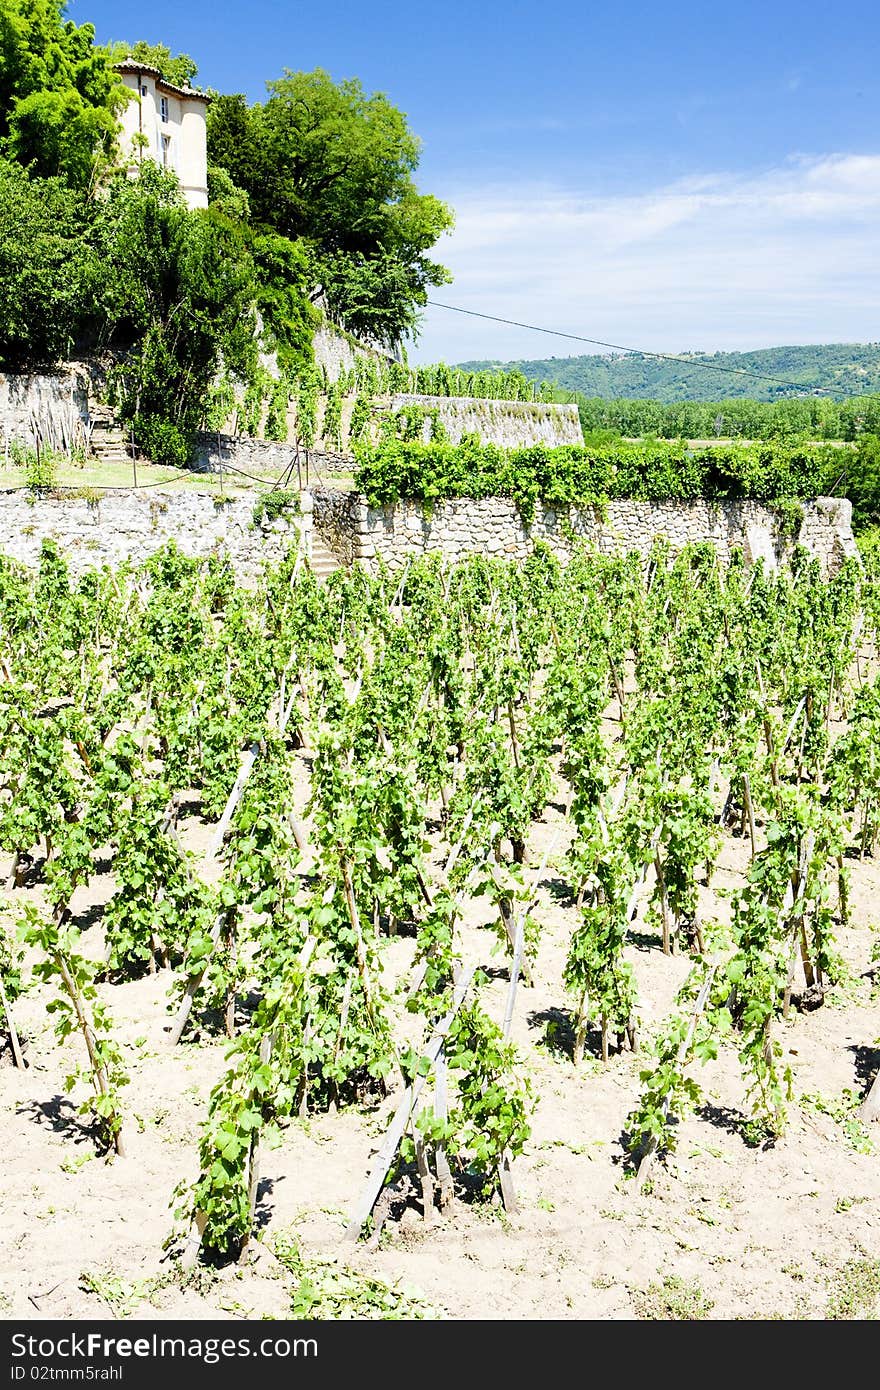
<point>699,1005</point>
<point>17,1054</point>
<point>444,1174</point>
<point>400,1118</point>
<point>424,1174</point>
<point>869,1110</point>
<point>99,1073</point>
<point>664,904</point>
<point>266,1044</point>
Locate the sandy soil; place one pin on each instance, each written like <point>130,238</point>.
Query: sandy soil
<point>726,1230</point>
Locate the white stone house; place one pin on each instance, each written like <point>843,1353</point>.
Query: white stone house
<point>167,124</point>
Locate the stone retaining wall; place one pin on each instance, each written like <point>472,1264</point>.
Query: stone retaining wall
<point>133,525</point>
<point>336,352</point>
<point>266,456</point>
<point>51,407</point>
<point>494,526</point>
<point>509,424</point>
<point>336,519</point>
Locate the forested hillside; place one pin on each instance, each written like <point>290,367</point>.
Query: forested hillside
<point>849,368</point>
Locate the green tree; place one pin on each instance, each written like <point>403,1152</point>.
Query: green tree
<point>42,262</point>
<point>59,95</point>
<point>283,273</point>
<point>178,69</point>
<point>326,164</point>
<point>178,290</point>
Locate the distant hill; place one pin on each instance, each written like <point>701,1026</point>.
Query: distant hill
<point>849,368</point>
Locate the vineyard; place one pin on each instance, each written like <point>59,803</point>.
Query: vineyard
<point>477,939</point>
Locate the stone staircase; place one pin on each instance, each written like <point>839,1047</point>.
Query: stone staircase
<point>109,440</point>
<point>324,562</point>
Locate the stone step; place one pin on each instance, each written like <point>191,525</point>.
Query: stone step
<point>323,561</point>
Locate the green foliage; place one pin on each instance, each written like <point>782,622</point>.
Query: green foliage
<point>42,267</point>
<point>173,291</point>
<point>861,480</point>
<point>59,95</point>
<point>651,471</point>
<point>378,376</point>
<point>276,416</point>
<point>844,1111</point>
<point>283,273</point>
<point>77,1007</point>
<point>158,904</point>
<point>434,704</point>
<point>332,423</point>
<point>179,70</point>
<point>641,383</point>
<point>161,440</point>
<point>41,470</point>
<point>328,166</point>
<point>668,1092</point>
<point>361,413</point>
<point>270,505</point>
<point>328,1291</point>
<point>11,964</point>
<point>178,286</point>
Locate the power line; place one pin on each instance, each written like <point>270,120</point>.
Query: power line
<point>685,362</point>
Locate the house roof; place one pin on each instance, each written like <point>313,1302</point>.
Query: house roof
<point>132,65</point>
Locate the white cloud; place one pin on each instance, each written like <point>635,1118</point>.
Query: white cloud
<point>720,261</point>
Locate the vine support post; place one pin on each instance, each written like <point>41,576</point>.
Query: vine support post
<point>423,1166</point>
<point>444,1174</point>
<point>266,1045</point>
<point>85,1024</point>
<point>400,1119</point>
<point>360,949</point>
<point>842,892</point>
<point>580,1030</point>
<point>750,809</point>
<point>229,932</point>
<point>700,1003</point>
<point>17,1054</point>
<point>869,1110</point>
<point>664,905</point>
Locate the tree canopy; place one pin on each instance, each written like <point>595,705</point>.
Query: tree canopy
<point>179,69</point>
<point>324,163</point>
<point>42,263</point>
<point>59,94</point>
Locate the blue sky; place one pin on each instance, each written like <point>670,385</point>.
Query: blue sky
<point>667,175</point>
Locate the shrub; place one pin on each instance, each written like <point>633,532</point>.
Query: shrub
<point>162,441</point>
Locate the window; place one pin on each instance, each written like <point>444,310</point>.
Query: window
<point>143,91</point>
<point>163,107</point>
<point>166,151</point>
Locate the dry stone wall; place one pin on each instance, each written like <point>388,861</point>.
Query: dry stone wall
<point>134,525</point>
<point>510,424</point>
<point>262,457</point>
<point>336,353</point>
<point>337,519</point>
<point>494,526</point>
<point>239,451</point>
<point>52,407</point>
<point>131,526</point>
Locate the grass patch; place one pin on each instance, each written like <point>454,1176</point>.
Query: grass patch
<point>331,1292</point>
<point>854,1291</point>
<point>673,1300</point>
